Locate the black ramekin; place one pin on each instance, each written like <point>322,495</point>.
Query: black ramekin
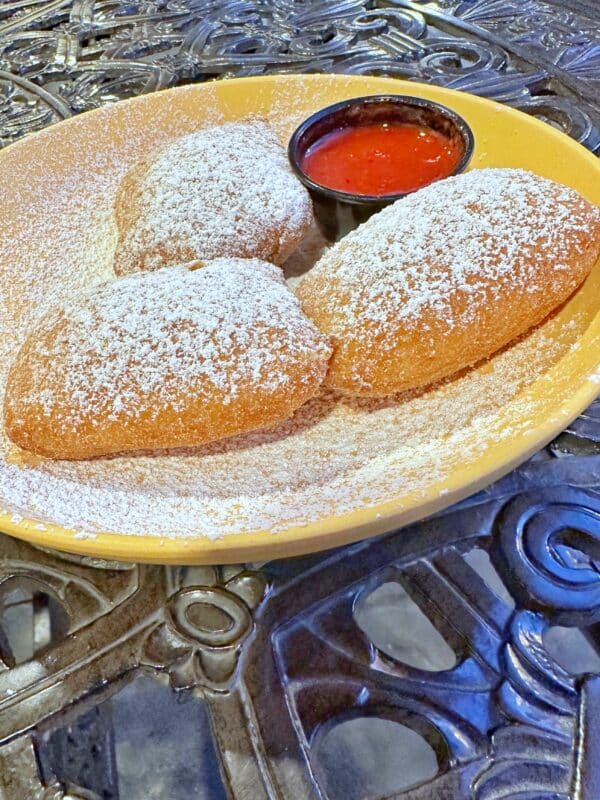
<point>338,212</point>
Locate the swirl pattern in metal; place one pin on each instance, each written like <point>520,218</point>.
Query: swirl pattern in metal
<point>503,688</point>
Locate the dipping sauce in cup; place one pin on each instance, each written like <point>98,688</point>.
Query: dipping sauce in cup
<point>381,159</point>
<point>360,155</point>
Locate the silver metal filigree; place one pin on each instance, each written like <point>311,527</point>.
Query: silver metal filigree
<point>277,658</point>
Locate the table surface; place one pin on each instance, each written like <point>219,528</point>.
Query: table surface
<point>460,659</point>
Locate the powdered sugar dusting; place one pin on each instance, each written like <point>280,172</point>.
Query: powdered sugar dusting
<point>333,456</point>
<point>228,326</point>
<point>474,234</point>
<point>226,190</point>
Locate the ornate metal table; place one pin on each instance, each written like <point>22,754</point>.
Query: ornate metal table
<point>460,659</point>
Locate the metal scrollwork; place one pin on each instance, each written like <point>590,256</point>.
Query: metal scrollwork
<point>200,641</point>
<point>548,548</point>
<point>446,630</point>
<point>78,55</point>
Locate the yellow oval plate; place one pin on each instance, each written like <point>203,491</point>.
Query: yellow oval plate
<point>558,364</point>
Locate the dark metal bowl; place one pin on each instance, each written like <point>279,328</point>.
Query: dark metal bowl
<point>338,212</point>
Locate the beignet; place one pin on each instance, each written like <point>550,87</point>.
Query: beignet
<point>226,190</point>
<point>165,359</point>
<point>447,276</point>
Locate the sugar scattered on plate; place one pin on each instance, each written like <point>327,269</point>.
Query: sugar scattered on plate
<point>334,456</point>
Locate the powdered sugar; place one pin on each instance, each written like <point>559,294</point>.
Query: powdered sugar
<point>149,340</point>
<point>332,456</point>
<point>475,233</point>
<point>226,190</point>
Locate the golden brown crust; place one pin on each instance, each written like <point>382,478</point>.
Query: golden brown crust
<point>163,360</point>
<point>400,323</point>
<point>224,191</point>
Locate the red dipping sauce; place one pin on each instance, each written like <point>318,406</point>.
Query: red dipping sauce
<point>381,159</point>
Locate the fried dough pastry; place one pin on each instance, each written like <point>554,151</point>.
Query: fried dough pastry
<point>165,359</point>
<point>447,276</point>
<point>226,190</point>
